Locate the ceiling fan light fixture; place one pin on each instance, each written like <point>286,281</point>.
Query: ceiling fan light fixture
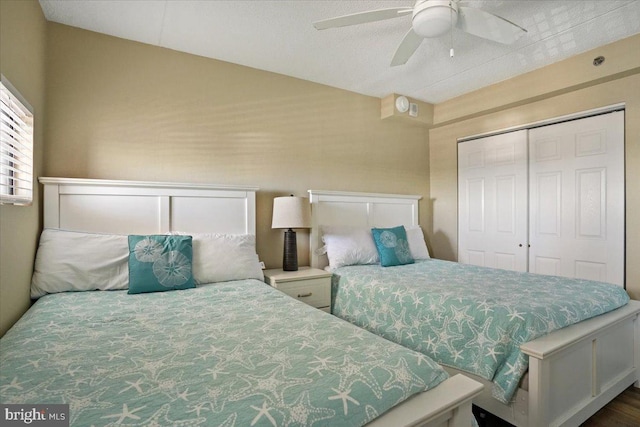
<point>434,18</point>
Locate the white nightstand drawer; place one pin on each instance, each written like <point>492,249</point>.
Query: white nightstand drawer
<point>315,292</point>
<point>309,285</point>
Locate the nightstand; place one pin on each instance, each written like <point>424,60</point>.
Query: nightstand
<point>309,285</point>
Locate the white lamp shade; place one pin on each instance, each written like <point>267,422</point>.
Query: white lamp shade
<point>291,212</point>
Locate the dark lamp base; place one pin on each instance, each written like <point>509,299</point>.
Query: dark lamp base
<point>290,256</point>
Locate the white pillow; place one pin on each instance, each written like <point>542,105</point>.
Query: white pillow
<point>417,245</point>
<point>222,257</point>
<point>349,246</point>
<point>74,261</point>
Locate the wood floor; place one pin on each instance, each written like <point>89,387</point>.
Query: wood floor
<point>623,411</point>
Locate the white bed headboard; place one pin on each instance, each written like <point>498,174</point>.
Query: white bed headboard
<point>138,207</point>
<point>357,210</point>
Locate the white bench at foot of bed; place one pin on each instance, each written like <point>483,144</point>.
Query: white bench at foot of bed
<point>573,372</point>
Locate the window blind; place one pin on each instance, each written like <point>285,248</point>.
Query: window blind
<point>16,147</point>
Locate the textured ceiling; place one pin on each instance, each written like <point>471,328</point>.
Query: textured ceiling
<point>278,36</point>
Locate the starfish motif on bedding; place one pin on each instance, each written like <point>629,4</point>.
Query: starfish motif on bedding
<point>281,357</point>
<point>421,358</point>
<point>111,356</point>
<point>133,385</point>
<point>484,307</point>
<point>29,340</point>
<point>198,407</point>
<point>571,316</point>
<point>374,323</point>
<point>263,411</point>
<point>14,384</point>
<point>417,300</point>
<point>59,348</point>
<point>513,369</point>
<point>184,395</point>
<point>238,355</point>
<point>430,342</point>
<point>98,375</point>
<point>271,385</point>
<point>160,418</point>
<point>514,314</point>
<point>181,347</point>
<point>446,337</point>
<point>214,372</point>
<point>84,402</point>
<point>398,323</point>
<point>305,344</point>
<point>401,377</point>
<point>344,396</point>
<point>154,368</point>
<point>21,395</point>
<point>169,385</point>
<point>126,413</point>
<point>493,353</point>
<point>302,413</point>
<point>456,354</point>
<point>459,316</point>
<point>215,398</point>
<point>409,335</point>
<point>328,342</point>
<point>304,332</point>
<point>399,295</point>
<point>480,334</point>
<point>322,362</point>
<point>230,421</point>
<point>316,370</point>
<point>479,367</point>
<point>351,372</point>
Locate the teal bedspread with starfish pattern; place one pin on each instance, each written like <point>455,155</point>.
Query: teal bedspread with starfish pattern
<point>468,317</point>
<point>231,354</point>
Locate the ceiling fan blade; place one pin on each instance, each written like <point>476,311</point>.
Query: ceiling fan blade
<point>488,26</point>
<point>407,47</point>
<point>362,17</point>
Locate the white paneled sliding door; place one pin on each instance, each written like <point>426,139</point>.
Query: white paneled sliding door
<point>492,201</point>
<point>548,200</point>
<point>577,198</point>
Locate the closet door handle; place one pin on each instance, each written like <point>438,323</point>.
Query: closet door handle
<point>520,245</point>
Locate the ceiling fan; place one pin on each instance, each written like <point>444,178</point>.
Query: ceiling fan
<point>433,18</point>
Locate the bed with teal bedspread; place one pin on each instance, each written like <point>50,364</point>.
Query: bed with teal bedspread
<point>230,354</point>
<point>468,317</point>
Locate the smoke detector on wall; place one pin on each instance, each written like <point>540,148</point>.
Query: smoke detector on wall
<point>402,104</point>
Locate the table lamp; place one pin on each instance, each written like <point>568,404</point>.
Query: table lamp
<point>289,213</point>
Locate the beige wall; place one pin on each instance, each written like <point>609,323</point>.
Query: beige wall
<point>22,61</point>
<point>525,101</point>
<point>124,110</point>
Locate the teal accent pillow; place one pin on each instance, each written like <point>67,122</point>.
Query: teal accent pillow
<point>392,245</point>
<point>160,263</point>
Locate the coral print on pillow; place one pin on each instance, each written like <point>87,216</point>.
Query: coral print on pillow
<point>160,263</point>
<point>392,246</point>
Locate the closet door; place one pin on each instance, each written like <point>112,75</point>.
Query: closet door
<point>577,198</point>
<point>492,201</point>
